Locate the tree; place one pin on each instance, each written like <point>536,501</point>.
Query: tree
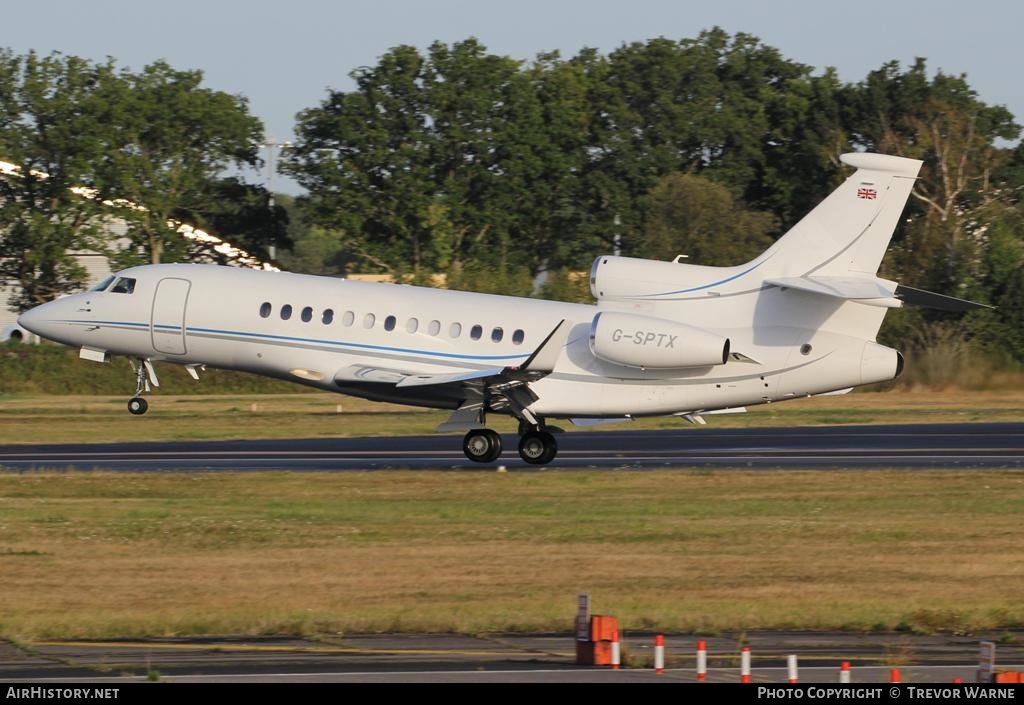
<point>437,160</point>
<point>942,122</point>
<point>701,219</point>
<point>173,141</point>
<point>363,156</point>
<point>54,120</point>
<point>243,214</point>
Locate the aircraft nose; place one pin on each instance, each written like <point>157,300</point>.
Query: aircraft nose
<point>29,320</point>
<point>37,319</point>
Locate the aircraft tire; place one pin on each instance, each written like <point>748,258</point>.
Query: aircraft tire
<point>137,406</point>
<point>538,447</point>
<point>482,445</point>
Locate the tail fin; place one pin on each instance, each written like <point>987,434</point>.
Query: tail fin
<point>848,232</point>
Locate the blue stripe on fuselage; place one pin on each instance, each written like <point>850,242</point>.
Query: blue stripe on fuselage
<point>316,341</point>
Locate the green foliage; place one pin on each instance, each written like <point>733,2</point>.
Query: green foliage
<point>243,214</point>
<point>91,142</point>
<point>447,163</point>
<point>173,139</point>
<point>567,285</point>
<point>699,218</point>
<point>52,116</point>
<point>499,278</point>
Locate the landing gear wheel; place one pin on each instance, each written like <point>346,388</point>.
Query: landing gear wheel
<point>482,445</point>
<point>138,406</point>
<point>538,447</point>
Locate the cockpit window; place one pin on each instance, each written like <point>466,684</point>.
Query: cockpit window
<point>124,285</point>
<point>103,284</point>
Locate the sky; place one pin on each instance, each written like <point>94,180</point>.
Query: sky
<point>285,56</point>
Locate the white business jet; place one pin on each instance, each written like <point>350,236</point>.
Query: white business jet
<point>663,338</point>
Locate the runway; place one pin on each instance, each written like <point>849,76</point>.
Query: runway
<point>450,658</point>
<point>925,446</point>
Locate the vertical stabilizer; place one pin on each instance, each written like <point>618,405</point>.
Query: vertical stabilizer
<point>849,231</point>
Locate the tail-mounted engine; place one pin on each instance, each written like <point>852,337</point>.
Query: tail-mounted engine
<point>654,343</point>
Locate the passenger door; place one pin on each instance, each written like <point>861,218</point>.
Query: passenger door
<point>167,325</point>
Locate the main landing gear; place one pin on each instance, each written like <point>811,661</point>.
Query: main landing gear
<point>536,446</point>
<point>482,445</point>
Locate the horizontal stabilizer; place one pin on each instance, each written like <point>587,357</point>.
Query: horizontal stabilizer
<point>868,290</point>
<point>941,302</point>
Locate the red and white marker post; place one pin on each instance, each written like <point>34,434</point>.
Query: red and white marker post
<point>659,653</point>
<point>844,672</point>
<point>616,651</point>
<point>745,665</point>
<point>702,661</point>
<point>894,675</point>
<point>791,664</point>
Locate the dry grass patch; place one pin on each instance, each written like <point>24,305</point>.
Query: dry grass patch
<point>101,555</point>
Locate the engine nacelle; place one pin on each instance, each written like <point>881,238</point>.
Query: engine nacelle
<point>654,343</point>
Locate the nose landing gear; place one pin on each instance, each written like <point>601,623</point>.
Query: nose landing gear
<point>137,405</point>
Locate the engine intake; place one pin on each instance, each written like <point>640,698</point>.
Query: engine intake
<point>654,343</point>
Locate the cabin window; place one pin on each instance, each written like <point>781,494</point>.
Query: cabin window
<point>327,317</point>
<point>307,314</point>
<point>124,285</point>
<point>455,330</point>
<point>348,319</point>
<point>496,335</point>
<point>286,312</point>
<point>518,337</point>
<point>476,331</point>
<point>368,320</point>
<point>389,323</point>
<point>103,284</point>
<point>434,328</point>
<point>412,325</point>
<point>265,309</point>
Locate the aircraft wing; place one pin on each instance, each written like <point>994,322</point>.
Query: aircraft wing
<point>540,363</point>
<point>500,386</point>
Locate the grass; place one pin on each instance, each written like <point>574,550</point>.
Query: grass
<point>122,555</point>
<point>70,419</point>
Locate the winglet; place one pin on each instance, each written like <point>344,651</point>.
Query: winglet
<point>546,355</point>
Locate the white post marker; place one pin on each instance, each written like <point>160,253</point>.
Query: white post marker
<point>745,665</point>
<point>616,651</point>
<point>986,662</point>
<point>844,672</point>
<point>659,653</point>
<point>702,661</point>
<point>791,663</point>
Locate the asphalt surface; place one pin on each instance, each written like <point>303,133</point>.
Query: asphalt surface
<point>962,446</point>
<point>502,658</point>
